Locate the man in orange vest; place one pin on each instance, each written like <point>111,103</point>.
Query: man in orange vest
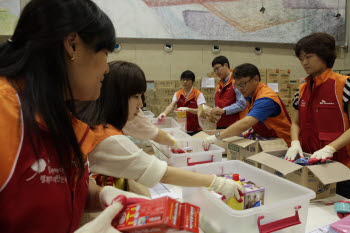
<point>187,99</point>
<point>229,102</point>
<point>266,113</point>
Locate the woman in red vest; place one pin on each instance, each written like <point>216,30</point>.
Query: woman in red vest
<point>320,120</point>
<point>187,99</point>
<point>116,155</point>
<point>57,53</point>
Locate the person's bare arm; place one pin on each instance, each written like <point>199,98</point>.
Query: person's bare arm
<point>238,127</point>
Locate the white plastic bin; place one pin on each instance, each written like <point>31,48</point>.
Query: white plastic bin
<point>165,123</point>
<point>148,114</point>
<point>282,198</point>
<point>197,156</point>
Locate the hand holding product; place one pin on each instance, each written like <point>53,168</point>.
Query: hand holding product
<point>323,154</point>
<point>227,188</point>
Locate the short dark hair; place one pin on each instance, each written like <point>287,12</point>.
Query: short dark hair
<point>320,43</point>
<point>35,54</point>
<point>220,60</point>
<point>246,70</point>
<point>124,80</point>
<point>187,74</point>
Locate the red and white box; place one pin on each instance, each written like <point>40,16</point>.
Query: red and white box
<point>162,215</point>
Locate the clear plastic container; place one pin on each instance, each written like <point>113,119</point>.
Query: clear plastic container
<point>165,123</point>
<point>285,204</point>
<point>181,118</point>
<point>197,156</point>
<point>148,114</point>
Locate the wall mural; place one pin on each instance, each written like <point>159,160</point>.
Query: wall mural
<point>279,21</point>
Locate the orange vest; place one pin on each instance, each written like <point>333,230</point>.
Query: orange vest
<point>322,118</point>
<point>192,123</point>
<point>279,125</point>
<point>102,132</point>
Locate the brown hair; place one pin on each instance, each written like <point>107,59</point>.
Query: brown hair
<point>320,43</point>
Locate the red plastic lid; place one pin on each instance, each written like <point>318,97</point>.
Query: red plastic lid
<point>235,177</point>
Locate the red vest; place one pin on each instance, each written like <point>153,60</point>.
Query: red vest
<point>191,102</point>
<point>40,196</point>
<point>278,126</point>
<point>321,114</point>
<point>225,96</point>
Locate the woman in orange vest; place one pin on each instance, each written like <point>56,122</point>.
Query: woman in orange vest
<point>320,120</point>
<point>266,113</point>
<point>115,155</point>
<point>57,53</point>
<point>187,99</point>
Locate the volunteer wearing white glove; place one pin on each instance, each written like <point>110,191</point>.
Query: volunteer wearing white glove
<point>321,106</point>
<point>115,155</point>
<point>187,99</point>
<point>111,200</point>
<point>294,150</point>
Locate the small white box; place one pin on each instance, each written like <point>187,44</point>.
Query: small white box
<point>286,203</point>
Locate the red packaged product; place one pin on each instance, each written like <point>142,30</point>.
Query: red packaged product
<point>189,218</point>
<point>162,215</point>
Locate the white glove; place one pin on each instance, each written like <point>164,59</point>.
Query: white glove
<point>108,193</point>
<point>102,224</point>
<point>161,116</point>
<point>293,150</point>
<point>176,147</point>
<point>323,154</point>
<point>209,140</point>
<point>227,187</point>
<point>183,109</point>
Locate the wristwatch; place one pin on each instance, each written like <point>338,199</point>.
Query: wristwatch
<point>217,135</point>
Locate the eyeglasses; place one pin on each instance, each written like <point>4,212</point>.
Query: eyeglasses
<point>217,68</point>
<point>242,85</point>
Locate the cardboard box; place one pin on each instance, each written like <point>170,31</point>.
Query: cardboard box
<point>284,92</point>
<point>320,178</point>
<point>284,76</point>
<point>164,101</point>
<point>263,75</point>
<point>208,91</point>
<point>159,215</point>
<point>178,84</point>
<point>164,84</point>
<point>272,75</point>
<point>197,84</point>
<point>241,148</point>
<point>165,92</point>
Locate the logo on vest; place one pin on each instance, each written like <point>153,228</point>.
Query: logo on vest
<point>53,175</point>
<point>302,103</point>
<point>327,103</point>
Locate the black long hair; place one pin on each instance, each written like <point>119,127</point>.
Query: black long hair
<point>36,54</point>
<point>124,80</point>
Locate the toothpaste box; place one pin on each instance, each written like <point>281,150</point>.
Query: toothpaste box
<point>161,215</point>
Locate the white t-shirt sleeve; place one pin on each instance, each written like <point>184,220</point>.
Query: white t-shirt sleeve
<point>174,98</point>
<point>117,156</point>
<point>141,128</point>
<point>201,99</point>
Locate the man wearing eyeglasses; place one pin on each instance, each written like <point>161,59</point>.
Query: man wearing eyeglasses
<point>229,102</point>
<point>266,113</point>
